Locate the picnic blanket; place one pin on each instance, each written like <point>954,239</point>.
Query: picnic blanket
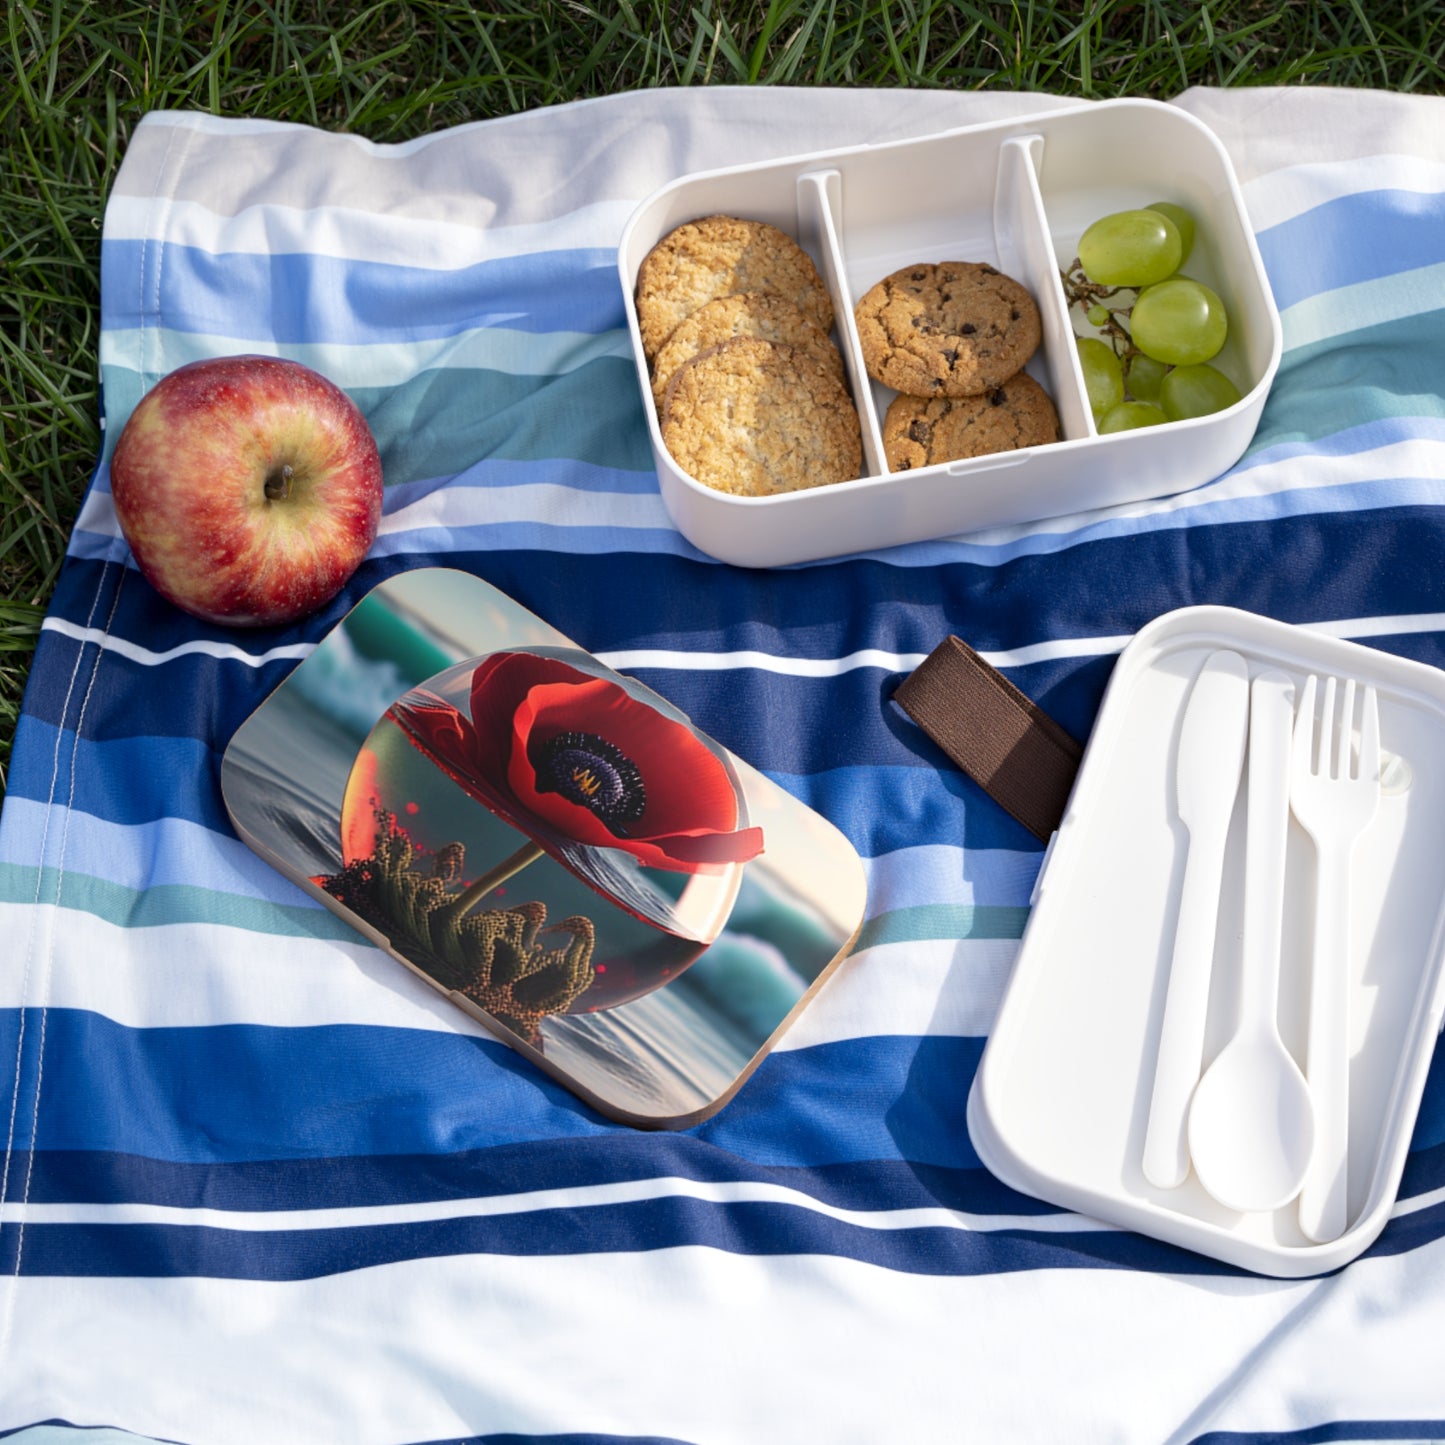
<point>261,1184</point>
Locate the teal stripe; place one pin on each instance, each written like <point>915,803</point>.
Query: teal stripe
<point>1376,374</point>
<point>442,422</point>
<point>439,423</point>
<point>943,921</point>
<point>167,903</point>
<point>170,903</point>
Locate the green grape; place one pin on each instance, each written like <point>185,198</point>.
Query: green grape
<point>1179,322</point>
<point>1098,315</point>
<point>1103,376</point>
<point>1196,391</point>
<point>1130,248</point>
<point>1183,223</point>
<point>1144,376</point>
<point>1129,415</point>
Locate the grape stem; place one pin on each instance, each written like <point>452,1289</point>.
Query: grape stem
<point>1085,294</point>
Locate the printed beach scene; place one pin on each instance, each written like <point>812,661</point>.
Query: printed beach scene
<point>548,842</point>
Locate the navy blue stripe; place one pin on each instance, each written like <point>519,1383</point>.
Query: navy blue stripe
<point>753,1228</point>
<point>567,1439</point>
<point>204,1094</point>
<point>300,297</point>
<point>1353,238</point>
<point>509,1438</point>
<point>58,1176</point>
<point>1417,1432</point>
<point>1339,565</point>
<point>204,696</point>
<point>129,780</point>
<point>758,1230</point>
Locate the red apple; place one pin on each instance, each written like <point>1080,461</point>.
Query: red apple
<point>248,487</point>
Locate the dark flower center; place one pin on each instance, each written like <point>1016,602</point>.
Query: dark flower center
<point>595,774</point>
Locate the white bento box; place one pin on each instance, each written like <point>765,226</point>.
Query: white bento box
<point>1061,1102</point>
<point>1016,195</point>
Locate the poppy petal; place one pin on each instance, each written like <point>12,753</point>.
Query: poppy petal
<point>686,785</point>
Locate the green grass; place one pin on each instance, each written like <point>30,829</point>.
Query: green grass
<point>76,77</point>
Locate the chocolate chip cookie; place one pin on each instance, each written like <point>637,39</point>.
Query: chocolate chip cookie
<point>752,417</point>
<point>918,432</point>
<point>955,328</point>
<point>717,256</point>
<point>749,313</point>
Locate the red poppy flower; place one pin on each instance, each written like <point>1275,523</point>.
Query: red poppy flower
<point>569,758</point>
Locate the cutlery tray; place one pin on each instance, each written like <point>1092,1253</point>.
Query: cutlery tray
<point>1060,1105</point>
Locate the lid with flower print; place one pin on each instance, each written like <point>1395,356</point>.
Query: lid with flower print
<point>548,843</point>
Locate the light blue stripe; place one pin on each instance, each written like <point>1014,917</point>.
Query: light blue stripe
<point>166,853</point>
<point>309,299</point>
<point>175,853</point>
<point>913,876</point>
<point>536,537</point>
<point>1353,238</point>
<point>493,472</point>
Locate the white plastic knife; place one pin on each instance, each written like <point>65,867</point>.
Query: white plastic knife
<point>1210,760</point>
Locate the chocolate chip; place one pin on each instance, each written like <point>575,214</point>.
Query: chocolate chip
<point>917,275</point>
<point>1013,316</point>
<point>921,432</point>
<point>988,271</point>
<point>949,357</point>
<point>996,397</point>
<point>967,329</point>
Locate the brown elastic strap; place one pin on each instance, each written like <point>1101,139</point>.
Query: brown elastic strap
<point>1011,748</point>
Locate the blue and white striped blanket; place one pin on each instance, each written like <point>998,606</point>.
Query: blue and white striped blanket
<point>259,1184</point>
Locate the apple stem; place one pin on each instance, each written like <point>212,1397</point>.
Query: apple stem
<point>278,484</point>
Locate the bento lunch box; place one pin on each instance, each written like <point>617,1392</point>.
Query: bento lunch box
<point>1016,195</point>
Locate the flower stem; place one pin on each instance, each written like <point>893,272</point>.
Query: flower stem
<point>473,894</point>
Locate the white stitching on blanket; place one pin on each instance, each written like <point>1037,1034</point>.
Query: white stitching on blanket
<point>44,989</point>
<point>30,947</point>
<point>164,187</point>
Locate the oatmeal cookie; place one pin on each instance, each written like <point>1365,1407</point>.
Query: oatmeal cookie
<point>716,256</point>
<point>752,417</point>
<point>918,432</point>
<point>748,313</point>
<point>956,328</point>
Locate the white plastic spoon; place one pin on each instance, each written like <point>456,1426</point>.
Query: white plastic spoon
<point>1251,1121</point>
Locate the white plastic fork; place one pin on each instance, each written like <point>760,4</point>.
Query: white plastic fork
<point>1334,796</point>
